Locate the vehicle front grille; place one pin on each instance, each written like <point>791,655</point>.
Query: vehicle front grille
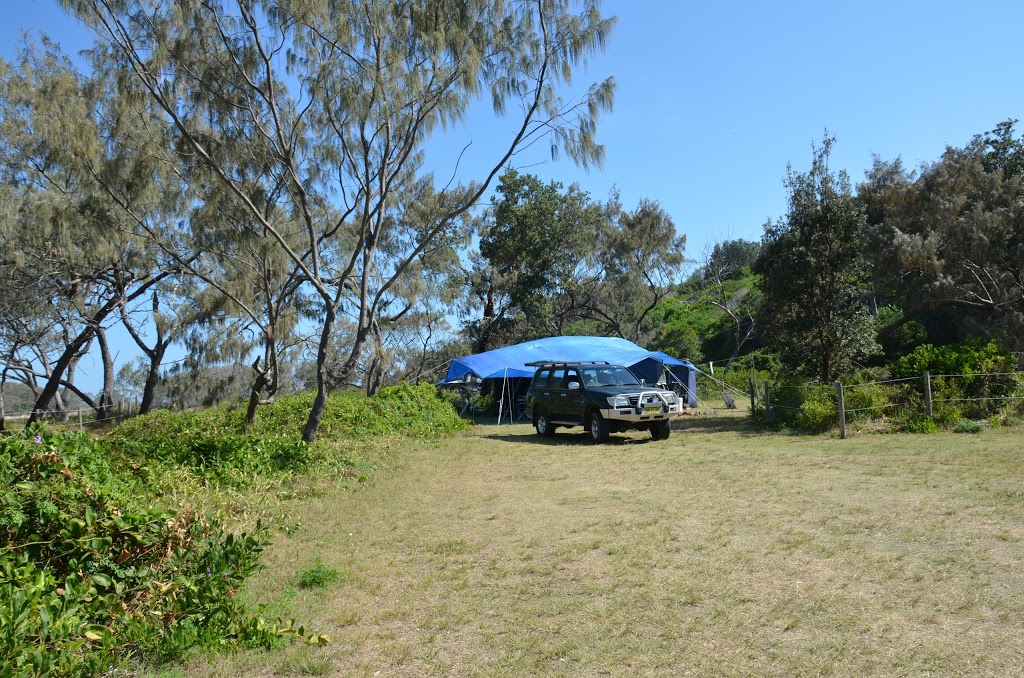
<point>649,399</point>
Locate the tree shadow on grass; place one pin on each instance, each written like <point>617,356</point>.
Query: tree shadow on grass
<point>575,437</point>
<point>711,422</point>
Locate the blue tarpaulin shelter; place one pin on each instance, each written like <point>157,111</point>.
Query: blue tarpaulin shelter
<point>510,362</point>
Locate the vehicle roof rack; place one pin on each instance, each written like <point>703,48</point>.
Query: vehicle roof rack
<point>550,363</point>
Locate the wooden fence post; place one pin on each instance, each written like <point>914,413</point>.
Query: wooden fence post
<point>120,409</point>
<point>928,393</point>
<point>842,409</point>
<point>752,387</point>
<point>80,426</point>
<point>767,397</point>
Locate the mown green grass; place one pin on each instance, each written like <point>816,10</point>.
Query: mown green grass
<point>720,551</point>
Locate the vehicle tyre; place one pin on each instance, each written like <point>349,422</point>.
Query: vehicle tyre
<point>543,424</point>
<point>661,429</point>
<point>597,427</point>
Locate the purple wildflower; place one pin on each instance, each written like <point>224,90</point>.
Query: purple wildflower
<point>39,439</point>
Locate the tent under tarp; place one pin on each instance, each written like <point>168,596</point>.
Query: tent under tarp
<point>511,362</point>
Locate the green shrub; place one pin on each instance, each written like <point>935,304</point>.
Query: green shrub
<point>920,423</point>
<point>417,411</point>
<point>802,405</point>
<point>867,400</point>
<point>318,576</point>
<point>975,376</point>
<point>485,404</point>
<point>817,414</point>
<point>97,567</point>
<point>967,426</point>
<point>212,444</point>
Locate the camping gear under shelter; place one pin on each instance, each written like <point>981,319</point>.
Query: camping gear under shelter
<point>509,367</point>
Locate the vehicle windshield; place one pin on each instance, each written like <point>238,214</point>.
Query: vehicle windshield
<point>608,375</point>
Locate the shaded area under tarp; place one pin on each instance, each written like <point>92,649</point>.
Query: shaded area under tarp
<point>510,362</point>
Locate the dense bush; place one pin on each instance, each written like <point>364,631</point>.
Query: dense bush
<point>93,560</point>
<point>98,566</point>
<point>211,443</point>
<point>801,404</point>
<point>417,411</point>
<point>970,379</point>
<point>214,442</point>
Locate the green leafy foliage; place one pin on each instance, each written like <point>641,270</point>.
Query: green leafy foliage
<point>967,426</point>
<point>415,411</point>
<point>97,567</point>
<point>815,275</point>
<point>318,576</point>
<point>803,405</point>
<point>215,444</point>
<point>212,443</point>
<point>969,379</point>
<point>946,238</point>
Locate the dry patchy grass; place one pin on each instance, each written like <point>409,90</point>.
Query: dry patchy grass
<point>717,552</point>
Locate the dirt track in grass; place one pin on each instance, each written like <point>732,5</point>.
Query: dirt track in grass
<point>719,551</point>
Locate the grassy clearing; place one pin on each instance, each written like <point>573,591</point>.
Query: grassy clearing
<point>720,551</point>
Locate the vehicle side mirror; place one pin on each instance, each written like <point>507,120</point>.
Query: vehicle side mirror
<point>643,382</point>
<point>573,385</point>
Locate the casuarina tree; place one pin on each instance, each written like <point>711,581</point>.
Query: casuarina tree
<point>336,101</point>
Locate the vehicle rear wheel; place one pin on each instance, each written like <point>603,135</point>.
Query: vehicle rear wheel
<point>543,424</point>
<point>597,427</point>
<point>661,429</point>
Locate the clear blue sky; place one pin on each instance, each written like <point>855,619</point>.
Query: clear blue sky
<point>715,98</point>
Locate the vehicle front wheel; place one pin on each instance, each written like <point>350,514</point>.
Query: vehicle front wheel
<point>543,424</point>
<point>661,429</point>
<point>598,427</point>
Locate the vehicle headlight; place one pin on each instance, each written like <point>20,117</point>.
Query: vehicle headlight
<point>618,401</point>
<point>670,398</point>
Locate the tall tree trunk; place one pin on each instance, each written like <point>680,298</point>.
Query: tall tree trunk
<point>255,392</point>
<point>156,358</point>
<point>374,376</point>
<point>323,386</point>
<point>106,410</point>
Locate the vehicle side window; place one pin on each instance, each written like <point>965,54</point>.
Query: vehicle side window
<point>557,378</point>
<point>573,375</point>
<point>543,378</point>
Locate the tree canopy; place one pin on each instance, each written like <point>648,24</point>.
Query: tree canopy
<point>814,274</point>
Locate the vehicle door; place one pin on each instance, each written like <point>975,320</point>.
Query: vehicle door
<point>575,396</point>
<point>556,394</point>
<point>540,391</point>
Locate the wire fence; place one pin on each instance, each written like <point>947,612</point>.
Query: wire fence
<point>79,417</point>
<point>907,402</point>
